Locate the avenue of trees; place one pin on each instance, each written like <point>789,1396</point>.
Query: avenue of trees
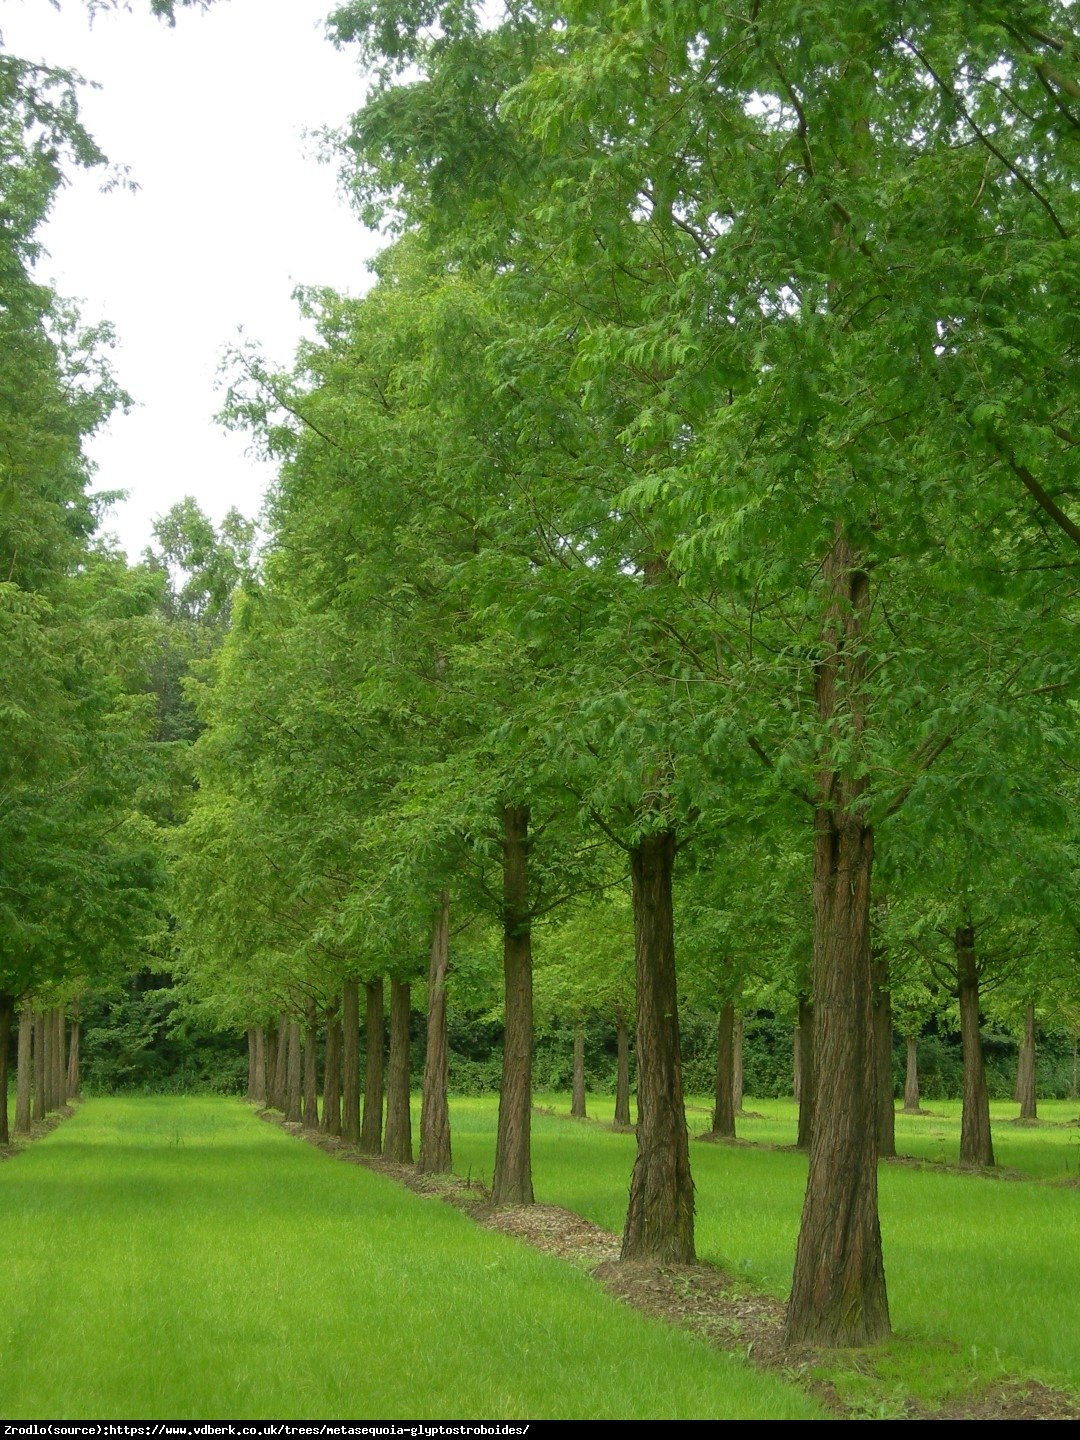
<point>674,553</point>
<point>676,546</point>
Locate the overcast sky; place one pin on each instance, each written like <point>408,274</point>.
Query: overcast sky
<point>232,212</point>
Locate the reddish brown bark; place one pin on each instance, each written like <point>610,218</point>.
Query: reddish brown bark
<point>1025,1069</point>
<point>660,1214</point>
<point>976,1144</point>
<point>350,1063</point>
<point>737,1067</point>
<point>74,1083</point>
<point>512,1182</point>
<point>838,1295</point>
<point>723,1119</point>
<point>331,1116</point>
<point>281,1065</point>
<point>806,1072</point>
<point>622,1073</point>
<point>796,1061</point>
<point>577,1085</point>
<point>52,1100</point>
<point>397,1142</point>
<point>911,1078</point>
<point>293,1099</point>
<point>40,1068</point>
<point>375,1033</point>
<point>60,1057</point>
<point>7,1014</point>
<point>886,1117</point>
<point>311,1072</point>
<point>24,1080</point>
<point>259,1092</point>
<point>435,1157</point>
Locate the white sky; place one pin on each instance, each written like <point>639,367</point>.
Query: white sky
<point>233,211</point>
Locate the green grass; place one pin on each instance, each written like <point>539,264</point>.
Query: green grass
<point>179,1258</point>
<point>993,1265</point>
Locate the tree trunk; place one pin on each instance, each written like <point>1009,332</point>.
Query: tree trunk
<point>331,1116</point>
<point>512,1181</point>
<point>660,1214</point>
<point>723,1120</point>
<point>24,1080</point>
<point>807,1073</point>
<point>74,1084</point>
<point>976,1144</point>
<point>7,1013</point>
<point>350,1061</point>
<point>1025,1070</point>
<point>911,1078</point>
<point>435,1158</point>
<point>622,1077</point>
<point>397,1144</point>
<point>60,1058</point>
<point>52,1097</point>
<point>292,1073</point>
<point>838,1295</point>
<point>577,1088</point>
<point>311,1069</point>
<point>41,1071</point>
<point>259,1092</point>
<point>796,1059</point>
<point>281,1066</point>
<point>737,1067</point>
<point>886,1118</point>
<point>371,1136</point>
<point>251,1062</point>
<point>273,1040</point>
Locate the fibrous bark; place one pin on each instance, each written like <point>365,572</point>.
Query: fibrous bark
<point>24,1080</point>
<point>737,1067</point>
<point>293,1102</point>
<point>371,1134</point>
<point>435,1157</point>
<point>277,1098</point>
<point>512,1182</point>
<point>311,1071</point>
<point>74,1080</point>
<point>622,1074</point>
<point>258,1094</point>
<point>976,1144</point>
<point>577,1087</point>
<point>7,1014</point>
<point>350,1061</point>
<point>331,1116</point>
<point>723,1119</point>
<point>40,1068</point>
<point>806,1071</point>
<point>911,1077</point>
<point>60,1058</point>
<point>886,1120</point>
<point>838,1294</point>
<point>397,1142</point>
<point>1025,1069</point>
<point>660,1215</point>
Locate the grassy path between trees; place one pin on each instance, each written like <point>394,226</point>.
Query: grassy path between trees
<point>992,1265</point>
<point>177,1258</point>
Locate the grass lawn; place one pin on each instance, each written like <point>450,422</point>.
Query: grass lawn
<point>993,1265</point>
<point>180,1258</point>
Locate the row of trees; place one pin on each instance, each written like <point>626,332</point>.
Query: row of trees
<point>88,770</point>
<point>693,485</point>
